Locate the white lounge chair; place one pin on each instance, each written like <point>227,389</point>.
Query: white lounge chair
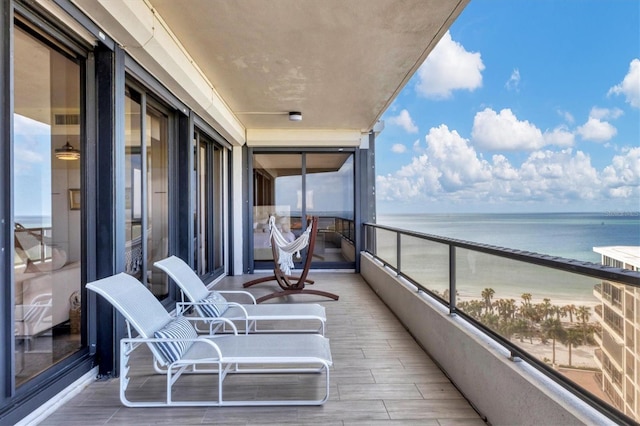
<point>178,349</point>
<point>212,304</point>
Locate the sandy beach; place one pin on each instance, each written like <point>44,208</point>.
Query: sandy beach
<point>581,357</point>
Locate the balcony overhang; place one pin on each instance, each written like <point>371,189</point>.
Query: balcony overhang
<point>302,137</point>
<point>243,65</point>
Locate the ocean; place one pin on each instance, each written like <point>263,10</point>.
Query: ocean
<point>569,235</point>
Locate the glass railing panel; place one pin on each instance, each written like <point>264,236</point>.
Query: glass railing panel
<point>558,317</point>
<point>426,263</point>
<point>386,246</point>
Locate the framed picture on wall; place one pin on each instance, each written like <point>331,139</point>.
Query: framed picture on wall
<point>74,199</point>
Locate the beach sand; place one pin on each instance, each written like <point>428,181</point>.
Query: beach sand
<point>581,357</point>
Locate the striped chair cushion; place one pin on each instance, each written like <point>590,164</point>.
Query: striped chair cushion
<point>179,328</point>
<point>214,305</point>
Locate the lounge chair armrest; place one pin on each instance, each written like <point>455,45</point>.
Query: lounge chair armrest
<point>245,314</point>
<point>181,307</point>
<point>215,320</point>
<point>207,340</point>
<point>246,293</point>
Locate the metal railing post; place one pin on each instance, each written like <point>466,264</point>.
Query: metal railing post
<point>452,280</point>
<point>398,252</point>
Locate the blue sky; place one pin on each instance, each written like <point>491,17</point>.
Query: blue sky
<point>523,106</point>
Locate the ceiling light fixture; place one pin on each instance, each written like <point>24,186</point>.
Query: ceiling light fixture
<point>67,152</point>
<point>295,116</point>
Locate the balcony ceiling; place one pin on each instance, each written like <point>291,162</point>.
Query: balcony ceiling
<point>340,62</point>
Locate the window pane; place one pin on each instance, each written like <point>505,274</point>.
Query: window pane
<point>47,207</point>
<point>133,186</point>
<point>146,194</point>
<point>330,195</point>
<point>277,184</point>
<point>218,194</point>
<point>158,202</point>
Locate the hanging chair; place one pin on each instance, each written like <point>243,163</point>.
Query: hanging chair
<point>283,252</point>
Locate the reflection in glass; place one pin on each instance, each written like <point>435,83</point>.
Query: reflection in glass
<point>157,185</point>
<point>208,176</point>
<point>146,193</point>
<point>47,226</point>
<point>293,186</point>
<point>277,180</point>
<point>330,196</point>
<point>218,214</point>
<point>133,186</point>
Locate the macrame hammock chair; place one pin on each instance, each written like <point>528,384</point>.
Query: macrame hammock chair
<point>283,251</point>
<point>288,248</point>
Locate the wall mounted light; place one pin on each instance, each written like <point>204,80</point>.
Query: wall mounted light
<point>295,116</point>
<point>67,152</point>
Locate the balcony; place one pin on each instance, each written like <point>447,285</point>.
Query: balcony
<point>386,315</point>
<point>380,374</point>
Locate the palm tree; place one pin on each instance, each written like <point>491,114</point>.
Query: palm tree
<point>527,299</point>
<point>572,338</point>
<point>532,315</point>
<point>552,328</point>
<point>487,295</point>
<point>473,308</point>
<point>583,314</point>
<point>544,307</point>
<point>492,321</point>
<point>570,310</point>
<point>557,311</point>
<point>523,329</point>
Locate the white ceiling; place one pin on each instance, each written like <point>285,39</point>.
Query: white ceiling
<point>340,62</point>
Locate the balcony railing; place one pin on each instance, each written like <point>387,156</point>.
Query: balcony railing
<point>33,244</point>
<point>540,307</point>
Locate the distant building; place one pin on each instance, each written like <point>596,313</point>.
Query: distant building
<point>619,315</point>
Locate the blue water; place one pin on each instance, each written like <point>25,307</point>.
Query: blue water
<point>569,235</point>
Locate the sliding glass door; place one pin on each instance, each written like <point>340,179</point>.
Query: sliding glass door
<point>47,205</point>
<point>146,191</point>
<point>291,186</point>
<point>208,209</point>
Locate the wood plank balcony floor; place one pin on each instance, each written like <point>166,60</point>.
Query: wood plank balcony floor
<point>380,375</point>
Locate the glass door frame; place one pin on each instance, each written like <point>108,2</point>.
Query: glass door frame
<point>149,102</point>
<point>16,400</point>
<point>250,264</point>
<point>214,196</point>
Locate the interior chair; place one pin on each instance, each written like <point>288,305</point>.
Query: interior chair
<point>291,284</point>
<point>177,349</point>
<point>33,319</point>
<point>213,304</point>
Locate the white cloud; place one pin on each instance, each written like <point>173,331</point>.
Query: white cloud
<point>621,179</point>
<point>452,172</point>
<point>560,136</point>
<point>596,130</point>
<point>504,131</point>
<point>514,81</point>
<point>449,67</point>
<point>561,175</point>
<point>398,148</point>
<point>405,121</point>
<point>417,147</point>
<point>630,85</point>
<point>502,169</point>
<point>605,113</point>
<point>566,116</point>
<point>455,159</point>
